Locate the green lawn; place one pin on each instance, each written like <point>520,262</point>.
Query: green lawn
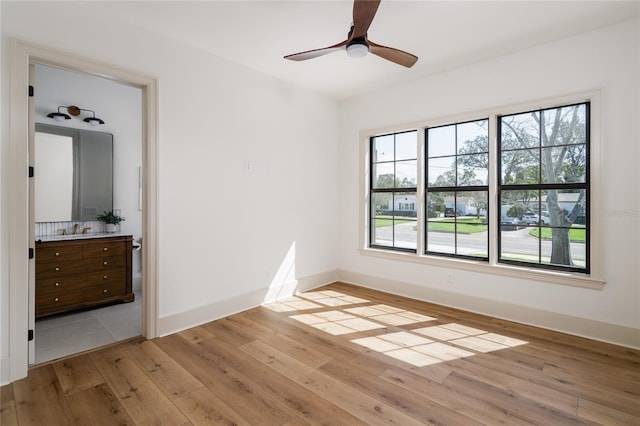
<point>389,222</point>
<point>577,233</point>
<point>466,225</point>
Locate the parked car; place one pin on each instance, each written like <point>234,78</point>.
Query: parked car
<point>509,223</point>
<point>533,219</point>
<point>450,212</point>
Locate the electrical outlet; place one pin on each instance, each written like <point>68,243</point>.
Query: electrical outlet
<point>248,167</point>
<point>450,277</point>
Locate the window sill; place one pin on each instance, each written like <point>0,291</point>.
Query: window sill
<point>534,274</point>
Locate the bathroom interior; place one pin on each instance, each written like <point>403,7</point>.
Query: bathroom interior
<point>87,161</point>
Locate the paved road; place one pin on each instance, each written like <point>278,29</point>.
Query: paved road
<point>515,244</point>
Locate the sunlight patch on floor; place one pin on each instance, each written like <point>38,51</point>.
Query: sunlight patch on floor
<point>419,347</point>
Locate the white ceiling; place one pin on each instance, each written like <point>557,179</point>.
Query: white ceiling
<point>443,34</point>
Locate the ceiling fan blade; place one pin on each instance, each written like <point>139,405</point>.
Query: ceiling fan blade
<point>363,14</point>
<point>398,56</point>
<point>310,54</point>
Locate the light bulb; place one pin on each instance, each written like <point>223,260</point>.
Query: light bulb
<point>357,50</point>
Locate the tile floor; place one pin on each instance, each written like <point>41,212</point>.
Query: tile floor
<point>66,334</point>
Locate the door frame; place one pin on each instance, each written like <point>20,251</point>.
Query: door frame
<point>23,54</point>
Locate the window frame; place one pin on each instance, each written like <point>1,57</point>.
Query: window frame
<point>594,279</point>
<point>456,188</point>
<point>393,190</point>
<point>546,186</point>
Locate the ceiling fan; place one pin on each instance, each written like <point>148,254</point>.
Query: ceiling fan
<point>357,44</point>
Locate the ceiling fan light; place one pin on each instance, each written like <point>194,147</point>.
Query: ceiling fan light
<point>357,50</point>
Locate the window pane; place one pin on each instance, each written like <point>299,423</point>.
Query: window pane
<point>406,174</point>
<point>472,238</point>
<point>473,137</point>
<point>382,149</point>
<point>405,220</point>
<point>473,169</point>
<point>441,141</point>
<point>520,131</point>
<point>567,164</point>
<point>383,175</point>
<point>564,246</point>
<point>406,146</point>
<point>520,167</point>
<point>394,221</point>
<point>564,126</point>
<point>441,236</point>
<point>515,204</point>
<point>442,171</point>
<point>565,207</point>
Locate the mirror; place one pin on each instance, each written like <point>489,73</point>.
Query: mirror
<point>73,173</point>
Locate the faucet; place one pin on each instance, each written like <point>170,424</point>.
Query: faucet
<point>75,228</point>
<point>85,230</point>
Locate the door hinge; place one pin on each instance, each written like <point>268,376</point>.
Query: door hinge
<point>31,171</point>
<point>30,91</point>
<point>31,253</point>
<point>30,335</point>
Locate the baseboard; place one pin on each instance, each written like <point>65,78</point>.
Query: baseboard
<point>213,311</point>
<point>583,327</point>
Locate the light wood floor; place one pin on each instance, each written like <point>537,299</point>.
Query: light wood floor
<point>339,355</point>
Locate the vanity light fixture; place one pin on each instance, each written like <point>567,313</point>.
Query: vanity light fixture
<point>75,111</point>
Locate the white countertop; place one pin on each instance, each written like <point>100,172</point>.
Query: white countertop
<point>80,236</point>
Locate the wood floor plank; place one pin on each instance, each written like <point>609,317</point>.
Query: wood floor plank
<point>516,406</point>
<point>40,400</point>
<point>355,402</point>
<point>169,376</point>
<point>518,386</point>
<point>231,386</point>
<point>97,406</point>
<point>142,400</point>
<point>203,407</point>
<point>195,335</point>
<point>407,401</point>
<point>77,374</point>
<point>300,401</point>
<point>605,415</point>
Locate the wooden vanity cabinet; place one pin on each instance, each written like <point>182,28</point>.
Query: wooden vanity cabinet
<point>81,273</point>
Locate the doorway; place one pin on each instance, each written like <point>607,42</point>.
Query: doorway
<point>21,267</point>
<point>82,170</point>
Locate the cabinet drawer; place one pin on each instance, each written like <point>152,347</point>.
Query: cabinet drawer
<point>58,253</point>
<point>59,269</point>
<point>104,248</point>
<point>75,294</point>
<point>63,285</point>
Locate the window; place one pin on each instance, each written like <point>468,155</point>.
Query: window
<point>544,187</point>
<point>393,191</point>
<point>457,190</point>
<point>511,190</point>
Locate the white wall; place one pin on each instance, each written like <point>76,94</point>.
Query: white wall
<point>606,59</point>
<point>223,232</point>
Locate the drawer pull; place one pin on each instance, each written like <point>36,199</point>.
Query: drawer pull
<point>105,291</point>
<point>105,263</point>
<point>57,269</point>
<point>57,284</point>
<point>105,248</point>
<point>104,277</point>
<point>57,254</point>
<point>57,299</point>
